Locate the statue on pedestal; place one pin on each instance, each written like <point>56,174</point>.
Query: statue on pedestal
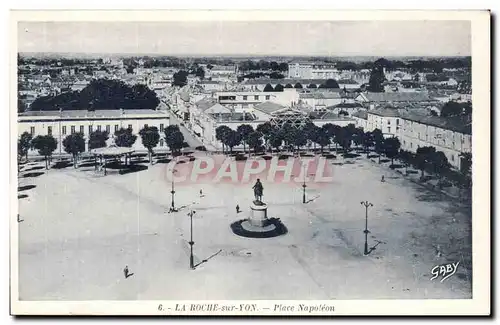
<point>258,191</point>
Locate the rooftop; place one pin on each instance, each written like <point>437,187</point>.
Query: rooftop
<point>107,113</point>
<point>269,107</point>
<point>397,97</point>
<point>456,124</point>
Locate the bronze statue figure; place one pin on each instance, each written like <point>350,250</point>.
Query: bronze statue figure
<point>258,191</point>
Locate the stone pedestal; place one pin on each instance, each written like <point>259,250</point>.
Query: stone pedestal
<point>258,215</point>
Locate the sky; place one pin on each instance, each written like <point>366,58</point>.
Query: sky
<point>320,38</point>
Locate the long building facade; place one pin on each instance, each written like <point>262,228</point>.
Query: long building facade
<point>60,124</point>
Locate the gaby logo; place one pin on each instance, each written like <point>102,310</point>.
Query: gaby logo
<point>206,169</point>
<point>445,270</point>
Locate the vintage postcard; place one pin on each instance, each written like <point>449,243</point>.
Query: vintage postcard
<point>250,163</point>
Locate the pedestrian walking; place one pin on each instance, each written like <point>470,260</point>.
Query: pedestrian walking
<point>125,271</point>
<point>201,193</point>
<point>383,179</point>
<point>237,209</point>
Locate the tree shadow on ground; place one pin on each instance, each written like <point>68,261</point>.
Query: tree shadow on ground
<point>163,161</point>
<point>33,168</point>
<point>61,164</point>
<point>25,187</point>
<point>429,197</point>
<point>133,169</point>
<point>34,174</point>
<point>329,156</point>
<point>87,164</point>
<point>267,157</point>
<point>22,196</point>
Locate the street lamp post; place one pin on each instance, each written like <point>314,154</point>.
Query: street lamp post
<point>191,242</point>
<point>172,207</point>
<point>366,204</point>
<point>304,186</point>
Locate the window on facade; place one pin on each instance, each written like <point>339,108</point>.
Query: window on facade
<point>32,130</point>
<point>98,128</point>
<point>64,130</point>
<point>268,97</point>
<point>161,142</point>
<point>72,129</point>
<point>389,129</point>
<point>411,145</point>
<point>49,130</point>
<point>82,129</point>
<point>116,127</point>
<point>108,128</point>
<point>161,127</point>
<point>452,157</point>
<point>256,97</point>
<point>397,121</point>
<point>389,122</point>
<point>245,97</point>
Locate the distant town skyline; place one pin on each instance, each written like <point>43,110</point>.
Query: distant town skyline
<point>239,38</point>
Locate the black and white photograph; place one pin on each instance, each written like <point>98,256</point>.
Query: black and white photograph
<point>230,165</point>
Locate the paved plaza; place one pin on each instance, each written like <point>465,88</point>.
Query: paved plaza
<point>79,230</point>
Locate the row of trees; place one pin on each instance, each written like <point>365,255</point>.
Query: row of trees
<point>418,65</point>
<point>74,144</point>
<point>328,84</point>
<point>288,137</point>
<point>100,94</point>
<point>262,65</point>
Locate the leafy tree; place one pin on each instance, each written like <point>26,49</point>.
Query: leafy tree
<point>255,140</point>
<point>378,139</point>
<point>200,72</point>
<point>367,141</point>
<point>266,129</point>
<point>288,134</point>
<point>299,140</point>
<point>125,138</point>
<point>97,139</point>
<point>150,138</point>
<point>452,108</point>
<point>278,87</point>
<point>288,86</point>
<point>275,139</point>
<point>391,146</point>
<point>329,129</point>
<point>233,138</point>
<point>423,157</point>
<point>180,78</point>
<point>283,67</point>
<point>174,138</point>
<point>330,84</point>
<point>268,88</point>
<point>74,144</point>
<point>221,133</point>
<point>440,164</point>
<point>45,144</point>
<point>345,137</point>
<point>312,86</point>
<point>25,143</point>
<point>209,66</point>
<point>377,78</point>
<point>244,131</point>
<point>298,85</point>
<point>322,138</point>
<point>100,94</point>
<point>466,163</point>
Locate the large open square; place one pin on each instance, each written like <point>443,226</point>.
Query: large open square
<point>78,230</point>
